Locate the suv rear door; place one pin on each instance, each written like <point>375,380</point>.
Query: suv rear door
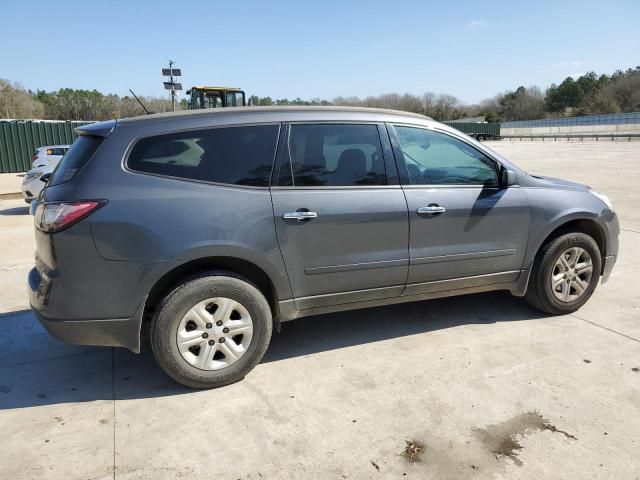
<point>340,214</point>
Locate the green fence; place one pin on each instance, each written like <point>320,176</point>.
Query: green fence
<point>19,140</point>
<point>476,128</point>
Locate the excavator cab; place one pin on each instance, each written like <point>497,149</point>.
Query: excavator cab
<point>215,97</point>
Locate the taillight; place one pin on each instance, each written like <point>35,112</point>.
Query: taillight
<point>56,216</point>
<point>34,158</point>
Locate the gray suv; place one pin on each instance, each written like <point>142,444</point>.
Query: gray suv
<point>208,229</point>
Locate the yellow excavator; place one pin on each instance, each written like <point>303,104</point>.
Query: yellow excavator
<point>215,97</point>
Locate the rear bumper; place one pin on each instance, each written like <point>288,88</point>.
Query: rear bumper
<point>116,332</point>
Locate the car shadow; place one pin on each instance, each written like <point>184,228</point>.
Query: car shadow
<point>310,335</point>
<point>487,199</point>
<point>36,369</point>
<point>15,211</point>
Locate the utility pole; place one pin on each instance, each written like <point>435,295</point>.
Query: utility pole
<point>173,90</point>
<point>172,85</point>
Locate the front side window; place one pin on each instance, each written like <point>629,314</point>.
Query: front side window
<point>434,158</point>
<point>212,100</point>
<point>233,155</point>
<point>336,155</point>
<point>235,99</point>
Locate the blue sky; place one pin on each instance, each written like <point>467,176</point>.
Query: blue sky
<point>470,49</point>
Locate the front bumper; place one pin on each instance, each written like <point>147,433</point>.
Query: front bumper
<point>31,189</point>
<point>607,267</point>
<point>611,226</point>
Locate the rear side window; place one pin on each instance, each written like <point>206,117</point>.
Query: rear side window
<point>232,155</point>
<point>336,155</point>
<point>56,151</point>
<point>75,158</point>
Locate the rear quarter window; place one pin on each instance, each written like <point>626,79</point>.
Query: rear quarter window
<point>75,158</point>
<point>229,155</point>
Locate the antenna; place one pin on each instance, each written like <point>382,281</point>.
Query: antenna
<point>140,102</point>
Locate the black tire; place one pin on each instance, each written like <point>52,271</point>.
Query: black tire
<point>480,138</point>
<point>186,295</point>
<point>539,292</point>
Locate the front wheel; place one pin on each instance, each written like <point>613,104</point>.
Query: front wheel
<point>565,274</point>
<point>211,330</point>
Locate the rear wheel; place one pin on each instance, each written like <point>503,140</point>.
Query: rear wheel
<point>211,330</point>
<point>565,274</point>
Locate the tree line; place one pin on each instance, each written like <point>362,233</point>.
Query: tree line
<point>72,104</point>
<point>589,94</point>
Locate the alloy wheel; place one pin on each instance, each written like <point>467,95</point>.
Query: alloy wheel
<point>571,274</point>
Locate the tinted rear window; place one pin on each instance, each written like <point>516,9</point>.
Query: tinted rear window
<point>56,151</point>
<point>232,155</point>
<point>75,158</point>
<point>336,155</point>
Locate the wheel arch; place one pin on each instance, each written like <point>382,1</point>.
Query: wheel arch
<point>244,268</point>
<point>582,224</point>
<point>588,226</point>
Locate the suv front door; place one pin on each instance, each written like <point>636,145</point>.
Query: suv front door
<point>340,214</point>
<point>466,229</point>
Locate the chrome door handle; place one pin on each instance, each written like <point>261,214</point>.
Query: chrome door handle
<point>431,210</point>
<point>299,215</point>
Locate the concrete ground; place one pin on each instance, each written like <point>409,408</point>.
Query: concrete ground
<point>480,386</point>
<point>10,184</point>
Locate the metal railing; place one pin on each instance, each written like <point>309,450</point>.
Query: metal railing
<point>612,119</point>
<point>576,136</point>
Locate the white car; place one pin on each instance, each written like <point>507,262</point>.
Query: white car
<point>47,154</point>
<point>32,183</point>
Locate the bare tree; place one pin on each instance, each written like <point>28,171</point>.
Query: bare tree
<point>447,107</point>
<point>16,102</point>
<point>428,103</point>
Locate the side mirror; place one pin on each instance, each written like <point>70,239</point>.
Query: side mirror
<point>45,178</point>
<point>507,177</point>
